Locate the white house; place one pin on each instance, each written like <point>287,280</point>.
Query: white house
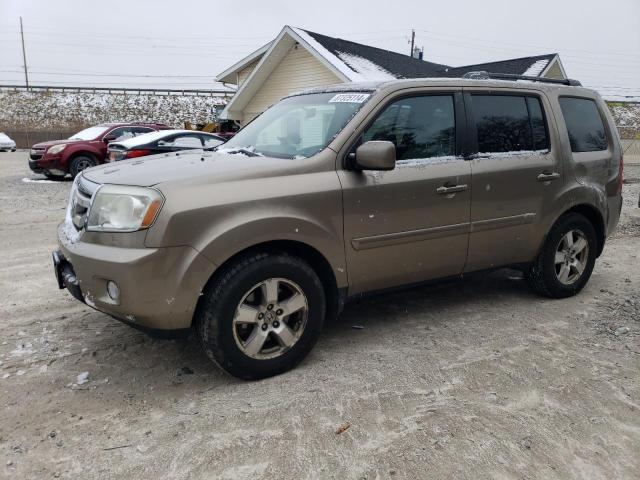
<point>298,59</point>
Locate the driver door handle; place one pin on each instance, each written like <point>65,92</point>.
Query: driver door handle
<point>547,177</point>
<point>444,190</point>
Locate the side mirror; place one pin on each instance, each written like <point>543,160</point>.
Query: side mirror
<point>376,155</point>
<point>109,138</point>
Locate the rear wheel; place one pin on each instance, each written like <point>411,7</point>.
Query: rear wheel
<point>262,315</point>
<point>80,163</point>
<point>568,256</point>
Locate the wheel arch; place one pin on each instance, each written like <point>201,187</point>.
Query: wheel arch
<point>71,156</point>
<point>591,213</point>
<point>318,262</point>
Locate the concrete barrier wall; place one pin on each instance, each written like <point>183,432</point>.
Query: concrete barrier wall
<point>30,116</point>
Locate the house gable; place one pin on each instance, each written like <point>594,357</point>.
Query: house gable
<point>554,70</point>
<point>297,70</point>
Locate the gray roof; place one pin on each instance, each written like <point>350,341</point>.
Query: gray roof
<point>405,66</point>
<point>401,66</point>
<point>515,66</point>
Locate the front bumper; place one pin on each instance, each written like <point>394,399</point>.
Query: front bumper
<point>46,164</point>
<point>35,168</point>
<point>159,287</point>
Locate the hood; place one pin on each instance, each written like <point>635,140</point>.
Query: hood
<point>51,143</point>
<point>194,167</point>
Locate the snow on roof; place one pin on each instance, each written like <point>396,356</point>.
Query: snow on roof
<point>365,68</point>
<point>149,137</point>
<point>536,68</point>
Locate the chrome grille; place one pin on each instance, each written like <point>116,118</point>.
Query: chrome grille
<point>81,201</point>
<point>36,153</point>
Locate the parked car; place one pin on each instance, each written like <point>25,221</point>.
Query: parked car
<point>343,192</point>
<point>162,142</point>
<point>85,149</point>
<point>6,144</point>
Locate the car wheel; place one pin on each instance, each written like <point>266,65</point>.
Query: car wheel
<point>566,261</point>
<point>261,315</point>
<point>53,176</point>
<point>81,163</point>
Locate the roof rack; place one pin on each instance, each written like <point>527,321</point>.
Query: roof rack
<point>482,75</point>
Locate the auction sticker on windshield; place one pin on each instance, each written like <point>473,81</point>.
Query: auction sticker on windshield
<point>349,98</point>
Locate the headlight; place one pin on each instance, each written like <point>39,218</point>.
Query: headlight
<point>121,208</point>
<point>56,149</point>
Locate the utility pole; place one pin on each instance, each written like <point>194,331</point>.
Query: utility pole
<point>24,55</point>
<point>413,40</point>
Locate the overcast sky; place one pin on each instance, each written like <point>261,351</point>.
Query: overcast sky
<point>184,44</point>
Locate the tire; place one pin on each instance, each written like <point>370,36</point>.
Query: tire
<point>243,285</point>
<point>79,163</point>
<point>52,176</point>
<point>560,279</point>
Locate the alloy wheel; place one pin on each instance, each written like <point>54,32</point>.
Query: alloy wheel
<point>572,255</point>
<point>270,318</point>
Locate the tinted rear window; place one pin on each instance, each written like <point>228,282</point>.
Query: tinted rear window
<point>584,124</point>
<point>509,123</point>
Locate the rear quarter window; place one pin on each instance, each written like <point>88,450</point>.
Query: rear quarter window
<point>584,124</point>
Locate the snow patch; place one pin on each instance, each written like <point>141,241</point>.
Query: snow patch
<point>517,153</point>
<point>366,68</point>
<point>425,162</point>
<point>82,378</point>
<point>38,180</point>
<point>22,349</point>
<point>536,69</point>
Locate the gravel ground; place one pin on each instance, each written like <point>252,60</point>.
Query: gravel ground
<point>478,378</point>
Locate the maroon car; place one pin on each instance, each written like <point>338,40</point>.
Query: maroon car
<point>85,149</point>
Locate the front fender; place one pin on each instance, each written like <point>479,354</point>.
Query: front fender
<point>235,235</point>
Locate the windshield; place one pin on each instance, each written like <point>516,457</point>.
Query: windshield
<point>89,133</point>
<point>297,127</point>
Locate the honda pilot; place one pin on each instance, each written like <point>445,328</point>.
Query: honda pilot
<point>340,191</point>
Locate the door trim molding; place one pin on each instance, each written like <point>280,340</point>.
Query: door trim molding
<point>502,222</point>
<point>397,238</point>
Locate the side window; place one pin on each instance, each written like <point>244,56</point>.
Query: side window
<point>140,130</point>
<point>185,141</point>
<point>503,123</point>
<point>538,124</point>
<point>123,133</point>
<point>210,142</point>
<point>419,127</point>
<point>584,124</point>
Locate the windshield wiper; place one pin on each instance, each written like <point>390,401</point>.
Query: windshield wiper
<point>248,151</point>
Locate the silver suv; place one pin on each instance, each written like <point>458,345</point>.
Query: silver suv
<point>339,191</point>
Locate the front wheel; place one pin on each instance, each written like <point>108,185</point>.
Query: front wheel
<point>80,163</point>
<point>261,315</point>
<point>568,256</point>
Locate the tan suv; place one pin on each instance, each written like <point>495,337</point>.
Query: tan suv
<point>339,191</point>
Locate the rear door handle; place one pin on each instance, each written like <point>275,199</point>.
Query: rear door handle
<point>548,177</point>
<point>447,190</point>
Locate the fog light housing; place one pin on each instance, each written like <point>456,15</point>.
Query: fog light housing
<point>113,290</point>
